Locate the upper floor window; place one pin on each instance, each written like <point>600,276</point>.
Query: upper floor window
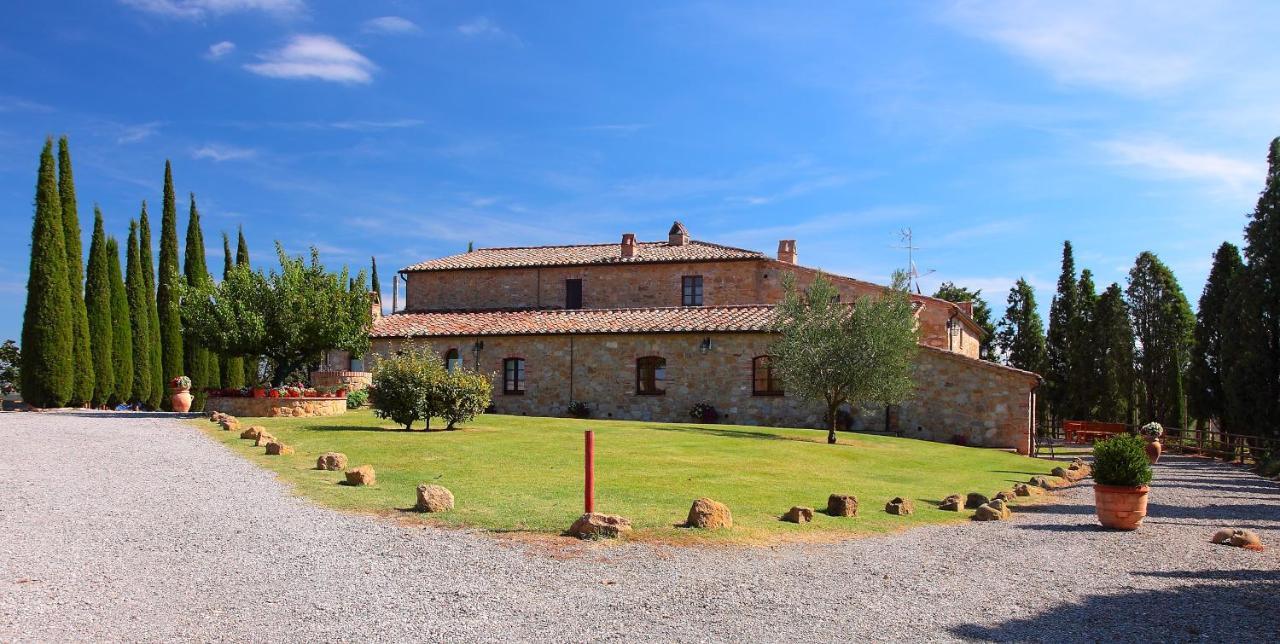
<point>513,376</point>
<point>452,360</point>
<point>764,381</point>
<point>573,294</point>
<point>691,290</point>
<point>651,375</point>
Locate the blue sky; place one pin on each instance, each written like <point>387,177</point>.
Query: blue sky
<point>404,130</point>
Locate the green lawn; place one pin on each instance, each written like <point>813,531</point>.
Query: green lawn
<point>512,473</point>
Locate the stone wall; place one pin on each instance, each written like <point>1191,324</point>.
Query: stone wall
<point>352,380</point>
<point>272,407</point>
<point>985,404</point>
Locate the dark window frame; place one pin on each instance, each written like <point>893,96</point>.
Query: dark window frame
<point>569,301</point>
<point>513,384</point>
<point>651,376</point>
<point>691,290</point>
<point>773,386</point>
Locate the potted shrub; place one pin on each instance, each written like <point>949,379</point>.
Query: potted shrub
<point>705,413</point>
<point>1121,472</point>
<point>1151,432</point>
<point>579,409</point>
<point>181,394</point>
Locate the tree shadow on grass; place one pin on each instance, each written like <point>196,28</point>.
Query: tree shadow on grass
<point>1214,611</point>
<point>364,428</point>
<point>726,433</point>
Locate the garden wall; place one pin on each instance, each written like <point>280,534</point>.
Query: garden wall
<point>351,380</point>
<point>273,407</point>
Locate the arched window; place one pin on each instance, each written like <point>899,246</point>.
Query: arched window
<point>452,360</point>
<point>513,376</point>
<point>764,382</point>
<point>651,374</point>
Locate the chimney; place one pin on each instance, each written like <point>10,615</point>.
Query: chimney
<point>375,305</point>
<point>678,235</point>
<point>628,245</point>
<point>966,307</point>
<point>787,251</point>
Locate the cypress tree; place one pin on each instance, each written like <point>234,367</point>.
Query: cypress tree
<point>232,366</point>
<point>1062,317</point>
<point>139,318</point>
<point>1163,323</point>
<point>196,273</point>
<point>1206,397</point>
<point>251,363</point>
<point>155,391</point>
<point>1110,340</point>
<point>121,329</point>
<point>1020,334</point>
<point>168,288</point>
<point>83,368</point>
<point>1081,398</point>
<point>47,345</point>
<point>97,302</point>
<point>1250,400</point>
<point>242,248</point>
<point>1259,294</point>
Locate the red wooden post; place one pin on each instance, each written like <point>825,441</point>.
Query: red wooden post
<point>589,493</point>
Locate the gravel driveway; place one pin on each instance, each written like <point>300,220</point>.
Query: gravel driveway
<point>119,528</point>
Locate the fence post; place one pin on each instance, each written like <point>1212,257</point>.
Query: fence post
<point>589,473</point>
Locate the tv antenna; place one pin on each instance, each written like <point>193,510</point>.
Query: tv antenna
<point>913,273</point>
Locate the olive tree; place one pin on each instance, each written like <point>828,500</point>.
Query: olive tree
<point>842,353</point>
<point>290,317</point>
<point>402,386</point>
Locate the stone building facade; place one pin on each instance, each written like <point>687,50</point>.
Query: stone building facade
<point>645,330</point>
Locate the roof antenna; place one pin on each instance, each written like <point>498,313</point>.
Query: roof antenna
<point>913,273</point>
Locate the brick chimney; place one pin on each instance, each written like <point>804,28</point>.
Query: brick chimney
<point>375,304</point>
<point>787,251</point>
<point>628,245</point>
<point>678,235</point>
<point>966,307</point>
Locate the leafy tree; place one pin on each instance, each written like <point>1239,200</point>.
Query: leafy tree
<point>10,366</point>
<point>981,314</point>
<point>47,342</point>
<point>1206,397</point>
<point>97,301</point>
<point>461,394</point>
<point>1110,339</point>
<point>1021,332</point>
<point>290,316</point>
<point>140,314</point>
<point>1163,323</point>
<point>232,365</point>
<point>1062,317</point>
<point>169,288</point>
<point>403,384</point>
<point>839,354</point>
<point>121,329</point>
<point>82,361</point>
<point>1081,397</point>
<point>154,361</point>
<point>195,271</point>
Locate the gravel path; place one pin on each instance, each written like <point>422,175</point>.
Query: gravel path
<point>143,529</point>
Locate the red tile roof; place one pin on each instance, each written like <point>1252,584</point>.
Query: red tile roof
<point>530,256</point>
<point>690,319</point>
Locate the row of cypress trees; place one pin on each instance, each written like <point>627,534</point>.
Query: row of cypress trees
<point>92,337</point>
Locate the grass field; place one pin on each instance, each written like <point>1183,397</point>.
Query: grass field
<point>523,474</point>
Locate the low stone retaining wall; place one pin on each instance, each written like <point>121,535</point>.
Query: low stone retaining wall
<point>273,407</point>
<point>352,380</point>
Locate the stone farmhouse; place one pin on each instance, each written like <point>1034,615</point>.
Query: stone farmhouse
<point>645,330</point>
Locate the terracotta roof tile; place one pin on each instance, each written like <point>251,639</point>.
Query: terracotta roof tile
<point>692,319</point>
<point>646,253</point>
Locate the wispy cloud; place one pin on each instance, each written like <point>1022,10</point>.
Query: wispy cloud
<point>198,9</point>
<point>14,104</point>
<point>315,56</point>
<point>370,125</point>
<point>219,152</point>
<point>616,128</point>
<point>219,49</point>
<point>1169,161</point>
<point>485,28</point>
<point>139,132</point>
<point>390,25</point>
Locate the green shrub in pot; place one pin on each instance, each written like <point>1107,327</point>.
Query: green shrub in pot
<point>1121,461</point>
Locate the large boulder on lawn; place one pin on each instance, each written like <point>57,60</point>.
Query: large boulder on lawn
<point>363,475</point>
<point>215,417</point>
<point>1041,482</point>
<point>229,424</point>
<point>1061,472</point>
<point>1005,495</point>
<point>953,503</point>
<point>594,525</point>
<point>332,461</point>
<point>1079,471</point>
<point>276,448</point>
<point>975,499</point>
<point>900,506</point>
<point>842,505</point>
<point>993,511</point>
<point>434,498</point>
<point>262,439</point>
<point>709,514</point>
<point>253,432</point>
<point>1022,489</point>
<point>798,514</point>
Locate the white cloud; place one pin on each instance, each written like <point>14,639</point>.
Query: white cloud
<point>315,56</point>
<point>139,132</point>
<point>1166,160</point>
<point>219,49</point>
<point>390,25</point>
<point>218,152</point>
<point>481,27</point>
<point>198,9</point>
<point>370,125</point>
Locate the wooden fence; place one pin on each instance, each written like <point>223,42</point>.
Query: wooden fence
<point>1239,448</point>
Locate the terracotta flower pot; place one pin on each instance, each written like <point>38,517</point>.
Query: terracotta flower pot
<point>181,400</point>
<point>1154,448</point>
<point>1120,507</point>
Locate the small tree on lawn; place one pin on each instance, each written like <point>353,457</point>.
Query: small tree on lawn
<point>840,353</point>
<point>290,317</point>
<point>462,395</point>
<point>402,388</point>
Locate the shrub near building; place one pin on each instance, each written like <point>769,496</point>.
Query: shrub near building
<point>414,385</point>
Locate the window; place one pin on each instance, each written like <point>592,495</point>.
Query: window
<point>691,290</point>
<point>651,372</point>
<point>573,294</point>
<point>513,376</point>
<point>452,360</point>
<point>764,382</point>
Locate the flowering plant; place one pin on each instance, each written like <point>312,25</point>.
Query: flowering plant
<point>181,382</point>
<point>1152,431</point>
